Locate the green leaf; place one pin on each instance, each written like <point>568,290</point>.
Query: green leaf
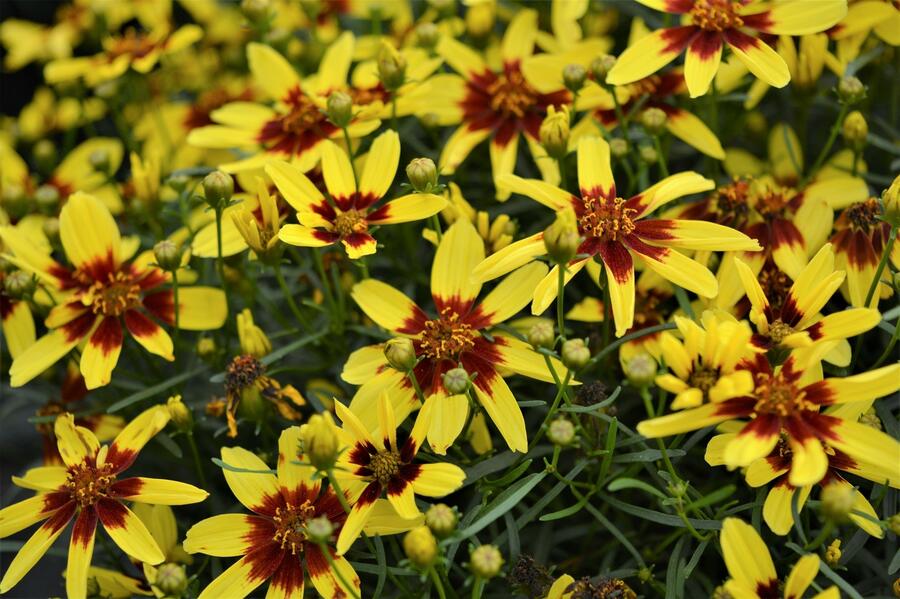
<point>154,390</point>
<point>510,476</point>
<point>895,563</point>
<point>503,503</point>
<point>565,512</point>
<point>711,498</point>
<point>647,455</point>
<point>632,483</point>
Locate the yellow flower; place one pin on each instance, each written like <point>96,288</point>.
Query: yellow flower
<point>88,489</point>
<point>260,232</point>
<point>497,233</point>
<point>253,339</point>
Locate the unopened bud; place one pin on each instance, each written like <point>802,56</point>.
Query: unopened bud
<point>870,418</point>
<point>19,285</point>
<point>51,230</point>
<point>554,132</point>
<point>319,441</point>
<point>648,154</point>
<point>167,255</point>
<point>836,502</point>
<point>206,347</point>
<point>561,238</point>
<point>756,123</point>
<point>93,587</point>
<point>575,354</point>
<point>601,67</point>
<point>561,432</point>
<point>833,553</point>
<point>44,153</point>
<point>320,529</point>
<point>894,524</point>
<point>422,175</point>
<point>179,413</point>
<point>420,546</point>
<point>171,579</point>
<point>456,381</point>
<point>391,67</point>
<point>99,160</point>
<point>178,183</point>
<point>891,201</point>
<point>256,11</point>
<point>47,199</point>
<point>574,76</point>
<point>441,519</point>
<point>640,369</point>
<point>654,120</point>
<point>486,561</point>
<point>400,353</point>
<point>339,108</point>
<point>541,334</point>
<point>480,19</point>
<point>218,188</point>
<point>618,148</point>
<point>855,130</point>
<point>851,90</point>
<point>427,35</point>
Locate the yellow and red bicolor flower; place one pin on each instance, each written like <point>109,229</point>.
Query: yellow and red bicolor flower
<point>272,542</point>
<point>774,469</point>
<point>614,230</point>
<point>351,211</point>
<point>787,400</point>
<point>661,90</point>
<point>99,293</point>
<point>752,572</point>
<point>454,337</point>
<point>88,489</point>
<point>139,51</point>
<point>712,24</point>
<point>17,322</point>
<point>500,104</point>
<point>794,321</point>
<point>295,127</point>
<point>379,464</point>
<point>859,242</point>
<point>881,17</point>
<point>246,383</point>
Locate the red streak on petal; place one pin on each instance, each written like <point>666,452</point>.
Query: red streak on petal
<point>127,487</point>
<point>77,329</point>
<point>108,336</point>
<point>677,38</point>
<point>706,45</point>
<point>617,260</point>
<point>85,527</point>
<point>289,577</point>
<point>161,305</point>
<point>112,513</point>
<point>139,325</point>
<point>265,560</point>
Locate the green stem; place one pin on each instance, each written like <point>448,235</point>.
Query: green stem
<point>411,375</point>
<point>220,261</point>
<point>350,154</point>
<point>196,456</point>
<point>478,587</point>
<point>890,347</point>
<point>560,299</point>
<point>560,391</point>
<point>563,179</point>
<point>394,124</point>
<point>663,169</point>
<point>821,537</point>
<point>832,136</point>
<point>290,298</point>
<point>436,580</point>
<point>885,254</point>
<point>338,491</point>
<point>326,551</point>
<point>436,225</point>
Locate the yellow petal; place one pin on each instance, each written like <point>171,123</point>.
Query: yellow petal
<point>460,251</point>
<point>226,535</point>
<point>510,258</point>
<point>271,71</point>
<point>381,165</point>
<point>498,401</point>
<point>438,479</point>
<point>458,147</point>
<point>746,555</point>
<point>89,234</point>
<point>250,488</point>
<point>595,177</point>
<point>158,491</point>
<point>388,307</point>
<point>201,308</point>
<point>649,54</point>
<point>413,207</point>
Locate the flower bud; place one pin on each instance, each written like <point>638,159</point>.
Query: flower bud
<point>756,123</point>
<point>575,354</point>
<point>218,188</point>
<point>320,529</point>
<point>44,154</point>
<point>206,347</point>
<point>427,35</point>
<point>640,369</point>
<point>574,76</point>
<point>870,418</point>
<point>855,130</point>
<point>561,238</point>
<point>400,353</point>
<point>891,201</point>
<point>833,553</point>
<point>51,230</point>
<point>19,285</point>
<point>554,132</point>
<point>179,413</point>
<point>894,524</point>
<point>171,579</point>
<point>253,340</point>
<point>486,561</point>
<point>851,90</point>
<point>422,174</point>
<point>391,67</point>
<point>99,160</point>
<point>648,154</point>
<point>256,11</point>
<point>441,519</point>
<point>561,432</point>
<point>541,334</point>
<point>167,255</point>
<point>13,200</point>
<point>339,108</point>
<point>601,67</point>
<point>93,587</point>
<point>618,148</point>
<point>836,502</point>
<point>480,19</point>
<point>653,120</point>
<point>319,441</point>
<point>47,199</point>
<point>420,546</point>
<point>456,381</point>
<point>178,183</point>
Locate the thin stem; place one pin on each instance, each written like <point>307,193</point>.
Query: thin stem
<point>477,587</point>
<point>411,375</point>
<point>885,254</point>
<point>394,125</point>
<point>562,172</point>
<point>821,537</point>
<point>338,491</point>
<point>196,456</point>
<point>326,551</point>
<point>350,154</point>
<point>832,136</point>
<point>436,580</point>
<point>177,310</point>
<point>890,347</point>
<point>560,299</point>
<point>436,225</point>
<point>290,298</point>
<point>220,261</point>
<point>663,169</point>
<point>560,391</point>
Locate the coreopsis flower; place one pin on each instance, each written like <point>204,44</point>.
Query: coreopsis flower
<point>615,229</point>
<point>497,233</point>
<point>247,388</point>
<point>16,319</point>
<point>379,464</point>
<point>449,340</point>
<point>89,489</point>
<point>712,24</point>
<point>752,572</point>
<point>351,211</point>
<point>859,242</point>
<point>139,51</point>
<point>805,59</point>
<point>662,90</point>
<point>99,293</point>
<point>794,320</point>
<point>273,542</point>
<point>787,400</point>
<point>501,106</point>
<point>861,20</point>
<point>295,128</point>
<point>253,340</point>
<point>774,470</point>
<point>259,227</point>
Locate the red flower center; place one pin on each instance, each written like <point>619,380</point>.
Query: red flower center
<point>132,43</point>
<point>304,116</point>
<point>87,483</point>
<point>511,94</point>
<point>777,396</point>
<point>716,15</point>
<point>446,337</point>
<point>773,202</point>
<point>290,525</point>
<point>350,222</point>
<point>114,296</point>
<point>607,219</point>
<point>775,284</point>
<point>863,216</point>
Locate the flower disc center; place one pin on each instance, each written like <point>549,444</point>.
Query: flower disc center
<point>384,466</point>
<point>446,337</point>
<point>350,222</point>
<point>87,483</point>
<point>864,215</point>
<point>716,15</point>
<point>511,94</point>
<point>606,218</point>
<point>290,525</point>
<point>114,296</point>
<point>777,396</point>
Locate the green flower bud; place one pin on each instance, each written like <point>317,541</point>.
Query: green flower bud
<point>641,370</point>
<point>420,546</point>
<point>561,238</point>
<point>319,441</point>
<point>19,285</point>
<point>167,254</point>
<point>456,381</point>
<point>427,35</point>
<point>836,502</point>
<point>574,76</point>
<point>851,90</point>
<point>891,201</point>
<point>171,579</point>
<point>441,519</point>
<point>320,529</point>
<point>51,230</point>
<point>575,354</point>
<point>256,11</point>
<point>47,199</point>
<point>99,160</point>
<point>648,154</point>
<point>855,130</point>
<point>601,67</point>
<point>653,120</point>
<point>206,347</point>
<point>400,353</point>
<point>180,414</point>
<point>391,67</point>
<point>561,432</point>
<point>618,148</point>
<point>541,334</point>
<point>486,561</point>
<point>894,524</point>
<point>339,108</point>
<point>422,174</point>
<point>554,132</point>
<point>44,153</point>
<point>218,188</point>
<point>178,182</point>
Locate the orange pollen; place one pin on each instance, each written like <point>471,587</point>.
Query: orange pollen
<point>511,94</point>
<point>384,466</point>
<point>350,222</point>
<point>87,484</point>
<point>778,397</point>
<point>773,202</point>
<point>304,115</point>
<point>290,525</point>
<point>716,15</point>
<point>606,219</point>
<point>114,296</point>
<point>242,372</point>
<point>647,85</point>
<point>446,337</point>
<point>863,216</point>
